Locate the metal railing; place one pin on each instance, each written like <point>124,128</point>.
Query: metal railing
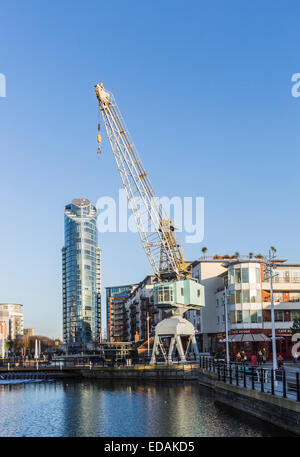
<point>281,382</point>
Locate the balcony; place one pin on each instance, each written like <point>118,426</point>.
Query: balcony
<point>287,279</point>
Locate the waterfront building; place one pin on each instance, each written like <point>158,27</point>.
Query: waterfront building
<point>28,332</point>
<point>248,304</point>
<point>139,306</point>
<point>81,274</point>
<point>12,320</point>
<point>116,297</point>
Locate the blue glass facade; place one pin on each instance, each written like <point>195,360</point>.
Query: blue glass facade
<point>81,274</point>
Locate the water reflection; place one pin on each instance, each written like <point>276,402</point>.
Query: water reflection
<point>68,408</point>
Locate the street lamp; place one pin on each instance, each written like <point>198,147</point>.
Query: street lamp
<point>270,265</point>
<point>226,326</point>
<point>148,342</point>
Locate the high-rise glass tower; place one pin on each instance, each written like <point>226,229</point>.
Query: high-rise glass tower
<point>81,274</point>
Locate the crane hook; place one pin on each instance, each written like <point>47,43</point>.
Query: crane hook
<point>99,140</point>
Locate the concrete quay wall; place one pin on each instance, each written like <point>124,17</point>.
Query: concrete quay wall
<point>282,412</point>
<point>157,373</point>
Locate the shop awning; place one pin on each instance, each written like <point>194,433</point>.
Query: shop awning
<point>246,337</point>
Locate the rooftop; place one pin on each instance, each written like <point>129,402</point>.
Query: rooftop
<point>80,202</point>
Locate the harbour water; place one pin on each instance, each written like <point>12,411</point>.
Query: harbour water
<point>85,408</point>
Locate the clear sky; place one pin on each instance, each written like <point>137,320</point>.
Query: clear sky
<point>205,89</point>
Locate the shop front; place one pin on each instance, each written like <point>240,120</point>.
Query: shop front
<point>254,340</point>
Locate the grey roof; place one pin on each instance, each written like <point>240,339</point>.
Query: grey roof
<point>80,202</point>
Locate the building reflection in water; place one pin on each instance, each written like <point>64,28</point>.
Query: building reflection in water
<point>107,408</point>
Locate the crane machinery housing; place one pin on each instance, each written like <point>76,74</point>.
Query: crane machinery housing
<point>175,291</point>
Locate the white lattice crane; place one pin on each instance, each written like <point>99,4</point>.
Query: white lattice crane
<point>175,291</point>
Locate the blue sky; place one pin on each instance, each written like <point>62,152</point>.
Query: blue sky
<point>205,89</point>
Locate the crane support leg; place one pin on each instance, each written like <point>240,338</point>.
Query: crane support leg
<point>180,349</point>
<point>171,349</point>
<point>154,350</point>
<point>195,348</point>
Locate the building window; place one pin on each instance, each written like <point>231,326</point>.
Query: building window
<point>246,316</point>
<point>232,297</point>
<point>246,296</point>
<point>253,316</point>
<point>279,316</point>
<point>278,297</point>
<point>294,296</point>
<point>255,295</point>
<point>238,296</point>
<point>239,317</point>
<point>258,275</point>
<point>237,276</point>
<point>245,275</point>
<point>233,317</point>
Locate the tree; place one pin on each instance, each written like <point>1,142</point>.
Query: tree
<point>296,325</point>
<point>274,250</point>
<point>251,255</point>
<point>9,344</point>
<point>204,250</point>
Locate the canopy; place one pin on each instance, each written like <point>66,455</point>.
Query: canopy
<point>246,337</point>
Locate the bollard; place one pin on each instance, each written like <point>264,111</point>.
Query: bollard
<point>8,366</point>
<point>252,379</point>
<point>272,382</point>
<point>237,375</point>
<point>284,384</point>
<point>261,380</point>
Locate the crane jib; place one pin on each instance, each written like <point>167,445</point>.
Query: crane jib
<point>167,262</point>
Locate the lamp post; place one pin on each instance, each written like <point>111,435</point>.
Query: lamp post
<point>3,348</point>
<point>148,342</point>
<point>226,327</point>
<point>270,264</point>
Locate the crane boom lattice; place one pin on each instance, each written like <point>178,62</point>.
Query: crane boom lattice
<point>155,229</point>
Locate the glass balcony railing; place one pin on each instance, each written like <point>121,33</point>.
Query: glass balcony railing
<point>281,279</point>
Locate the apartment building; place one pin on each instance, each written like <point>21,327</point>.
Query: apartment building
<point>12,320</point>
<point>140,307</point>
<point>116,297</point>
<point>247,288</point>
<point>81,274</point>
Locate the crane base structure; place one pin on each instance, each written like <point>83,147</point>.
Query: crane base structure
<point>176,297</point>
<point>171,330</point>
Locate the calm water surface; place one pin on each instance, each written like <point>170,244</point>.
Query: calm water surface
<point>67,408</point>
